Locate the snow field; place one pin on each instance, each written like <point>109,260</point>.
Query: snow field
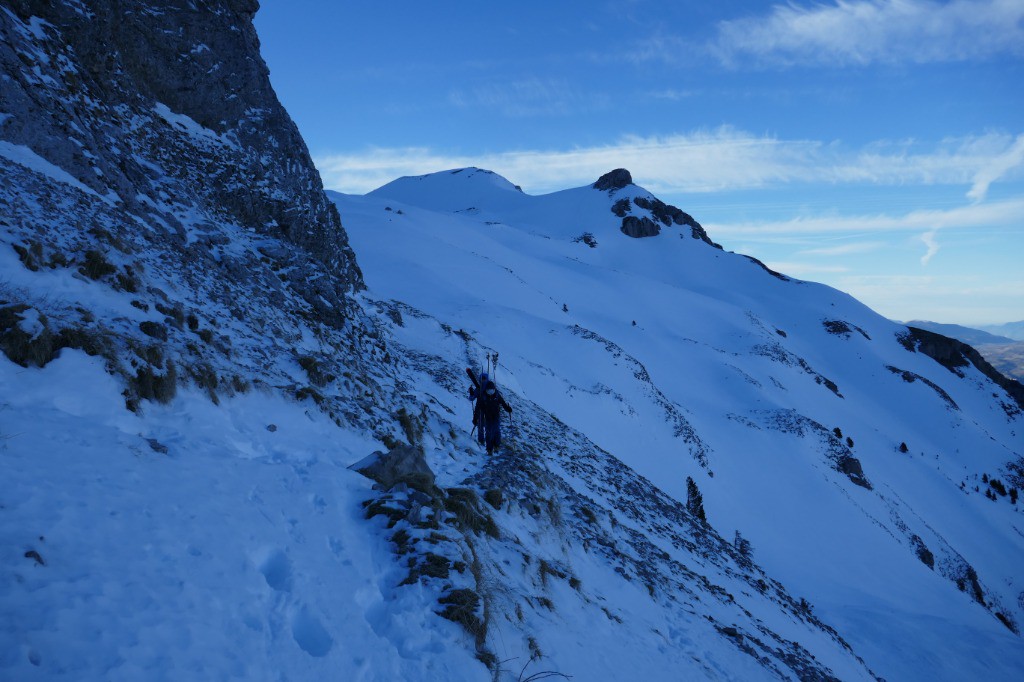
<point>240,552</point>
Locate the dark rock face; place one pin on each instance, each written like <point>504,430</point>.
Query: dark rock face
<point>911,377</point>
<point>853,469</point>
<point>639,227</point>
<point>145,152</point>
<point>922,551</point>
<point>616,179</point>
<point>953,355</point>
<point>125,96</point>
<point>669,215</point>
<point>621,207</point>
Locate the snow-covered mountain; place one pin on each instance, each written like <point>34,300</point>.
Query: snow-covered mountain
<point>712,470</point>
<point>854,454</point>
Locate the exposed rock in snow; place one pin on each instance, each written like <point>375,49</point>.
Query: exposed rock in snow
<point>613,180</point>
<point>639,227</point>
<point>402,464</point>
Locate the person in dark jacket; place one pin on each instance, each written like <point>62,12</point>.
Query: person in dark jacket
<point>487,413</point>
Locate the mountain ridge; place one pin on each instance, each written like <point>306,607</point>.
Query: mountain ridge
<point>569,289</point>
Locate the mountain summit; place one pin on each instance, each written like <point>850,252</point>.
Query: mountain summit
<point>613,180</point>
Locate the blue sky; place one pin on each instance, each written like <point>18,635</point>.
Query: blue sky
<point>874,145</point>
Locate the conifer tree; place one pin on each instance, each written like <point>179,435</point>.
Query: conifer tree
<point>694,500</point>
<point>743,548</point>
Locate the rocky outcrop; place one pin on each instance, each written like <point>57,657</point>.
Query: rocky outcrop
<point>668,215</point>
<point>639,227</point>
<point>144,155</point>
<point>660,212</point>
<point>152,103</point>
<point>402,464</point>
<point>614,180</point>
<point>954,355</point>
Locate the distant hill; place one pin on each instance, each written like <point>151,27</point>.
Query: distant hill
<point>968,335</point>
<point>1014,330</point>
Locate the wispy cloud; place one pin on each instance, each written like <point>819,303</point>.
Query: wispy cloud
<point>931,243</point>
<point>966,300</point>
<point>723,159</point>
<point>1005,214</point>
<point>999,166</point>
<point>801,269</point>
<point>855,248</point>
<point>861,32</point>
<point>528,97</point>
<point>674,95</point>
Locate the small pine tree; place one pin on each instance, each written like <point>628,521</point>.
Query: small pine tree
<point>903,448</point>
<point>984,478</point>
<point>1013,496</point>
<point>849,441</point>
<point>744,550</point>
<point>695,501</point>
<point>838,432</point>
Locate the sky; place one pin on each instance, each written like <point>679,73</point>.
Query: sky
<point>876,146</point>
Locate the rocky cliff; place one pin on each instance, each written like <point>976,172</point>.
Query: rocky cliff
<point>144,153</point>
<point>179,93</point>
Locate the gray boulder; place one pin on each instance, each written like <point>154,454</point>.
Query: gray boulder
<point>402,464</point>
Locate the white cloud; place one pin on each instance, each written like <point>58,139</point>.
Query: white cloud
<point>843,249</point>
<point>1005,214</point>
<point>932,245</point>
<point>801,269</point>
<point>861,32</point>
<point>528,97</point>
<point>997,168</point>
<point>945,298</point>
<point>702,161</point>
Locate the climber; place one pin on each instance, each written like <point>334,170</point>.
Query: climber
<point>487,411</point>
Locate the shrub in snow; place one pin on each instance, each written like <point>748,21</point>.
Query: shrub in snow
<point>96,266</point>
<point>461,607</point>
<point>25,336</point>
<point>494,498</point>
<point>315,371</point>
<point>154,329</point>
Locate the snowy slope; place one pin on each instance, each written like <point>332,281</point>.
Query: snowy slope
<point>736,377</point>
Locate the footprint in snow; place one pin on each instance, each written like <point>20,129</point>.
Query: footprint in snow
<point>276,569</point>
<point>310,635</point>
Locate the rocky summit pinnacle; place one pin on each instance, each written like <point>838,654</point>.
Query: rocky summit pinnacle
<point>616,179</point>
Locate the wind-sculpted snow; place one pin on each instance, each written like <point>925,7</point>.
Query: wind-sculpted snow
<point>673,414</point>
